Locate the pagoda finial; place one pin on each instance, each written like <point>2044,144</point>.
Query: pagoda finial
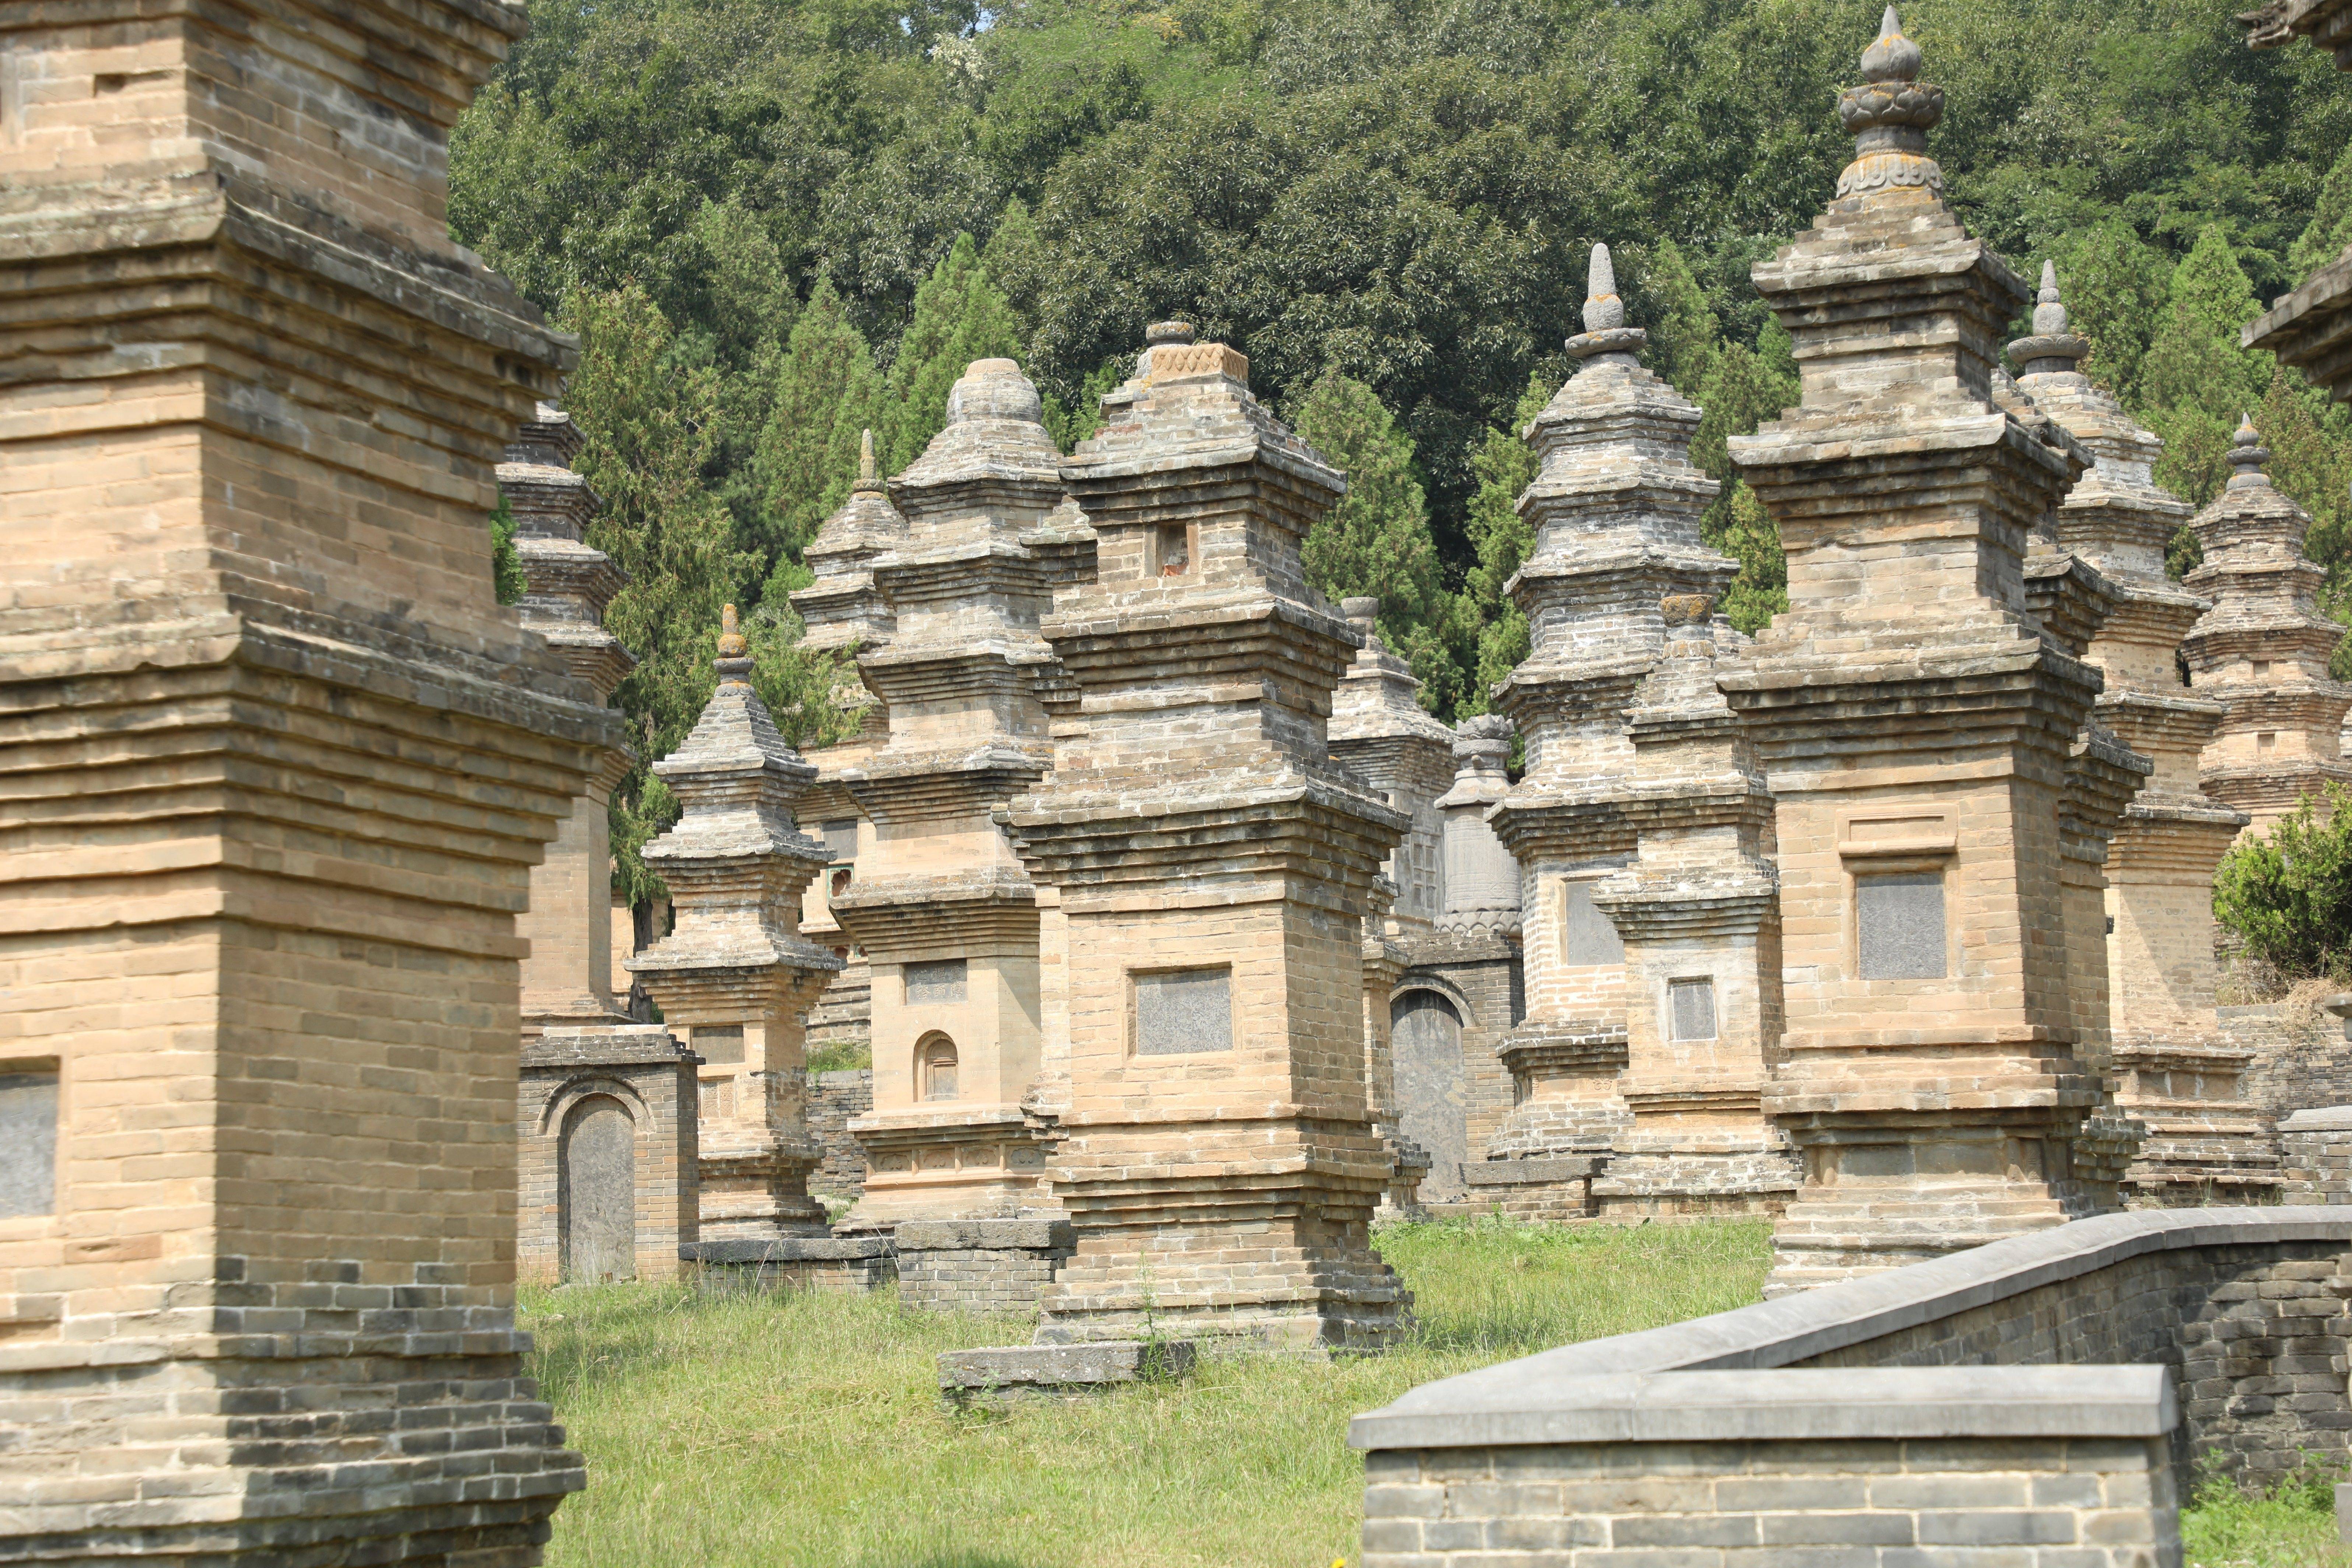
<point>2247,456</point>
<point>1889,116</point>
<point>1604,310</point>
<point>1892,57</point>
<point>868,475</point>
<point>734,661</point>
<point>2051,348</point>
<point>1605,331</point>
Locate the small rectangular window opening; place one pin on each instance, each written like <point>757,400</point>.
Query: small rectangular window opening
<point>1175,550</point>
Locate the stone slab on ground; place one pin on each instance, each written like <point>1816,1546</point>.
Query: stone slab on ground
<point>1007,1372</point>
<point>795,1262</point>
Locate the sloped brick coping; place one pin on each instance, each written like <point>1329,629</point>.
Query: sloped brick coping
<point>1486,1405</point>
<point>1709,1434</point>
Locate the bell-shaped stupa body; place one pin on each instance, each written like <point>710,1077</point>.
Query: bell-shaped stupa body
<point>940,904</point>
<point>1917,728</point>
<point>2262,650</point>
<point>2173,1071</point>
<point>1615,510</point>
<point>734,970</point>
<point>1204,874</point>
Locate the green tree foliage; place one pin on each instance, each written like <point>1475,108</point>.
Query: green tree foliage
<point>506,563</point>
<point>827,394</point>
<point>1506,465</point>
<point>1376,540</point>
<point>1401,189</point>
<point>2287,894</point>
<point>959,317</point>
<point>2196,382</point>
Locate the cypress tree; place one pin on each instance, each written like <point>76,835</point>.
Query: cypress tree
<point>648,423</point>
<point>1748,387</point>
<point>828,392</point>
<point>2116,289</point>
<point>1504,466</point>
<point>1685,341</point>
<point>1376,540</point>
<point>959,317</point>
<point>2330,229</point>
<point>2195,380</point>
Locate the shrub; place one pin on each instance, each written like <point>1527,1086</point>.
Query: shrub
<point>2286,895</point>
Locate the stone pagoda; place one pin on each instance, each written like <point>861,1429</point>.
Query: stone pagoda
<point>943,906</point>
<point>1207,872</point>
<point>843,612</point>
<point>1615,511</point>
<point>1381,733</point>
<point>607,1178</point>
<point>1698,910</point>
<point>1915,726</point>
<point>1463,993</point>
<point>2309,328</point>
<point>2261,651</point>
<point>2204,1141</point>
<point>734,968</point>
<point>279,765</point>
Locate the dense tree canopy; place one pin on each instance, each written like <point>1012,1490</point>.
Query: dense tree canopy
<point>817,206</point>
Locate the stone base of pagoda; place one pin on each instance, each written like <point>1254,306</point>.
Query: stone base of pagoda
<point>1694,1151</point>
<point>755,1187</point>
<point>948,1162</point>
<point>1253,1232</point>
<point>1883,1188</point>
<point>1411,1166</point>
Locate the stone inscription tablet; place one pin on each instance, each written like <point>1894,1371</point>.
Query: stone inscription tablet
<point>28,1143</point>
<point>1187,1011</point>
<point>1690,1008</point>
<point>1901,919</point>
<point>929,983</point>
<point>1591,938</point>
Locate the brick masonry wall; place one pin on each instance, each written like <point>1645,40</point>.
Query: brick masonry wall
<point>994,1266</point>
<point>2317,1158</point>
<point>2256,1331</point>
<point>2299,1063</point>
<point>1951,1503</point>
<point>833,1098</point>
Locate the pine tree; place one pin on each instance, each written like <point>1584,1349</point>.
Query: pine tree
<point>959,317</point>
<point>1749,536</point>
<point>1506,465</point>
<point>1376,540</point>
<point>647,424</point>
<point>828,392</point>
<point>1685,342</point>
<point>2196,382</point>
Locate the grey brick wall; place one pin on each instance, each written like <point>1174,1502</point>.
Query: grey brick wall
<point>833,1098</point>
<point>999,1267</point>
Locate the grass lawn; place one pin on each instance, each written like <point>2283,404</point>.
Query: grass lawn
<point>798,1429</point>
<point>806,1429</point>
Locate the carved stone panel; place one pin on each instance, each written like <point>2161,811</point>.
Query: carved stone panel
<point>1431,1088</point>
<point>599,1193</point>
<point>1188,1010</point>
<point>1900,918</point>
<point>28,1143</point>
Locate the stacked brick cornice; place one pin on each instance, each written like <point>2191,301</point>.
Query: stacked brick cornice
<point>942,904</point>
<point>2174,1071</point>
<point>1614,509</point>
<point>2262,650</point>
<point>1202,871</point>
<point>279,766</point>
<point>734,959</point>
<point>1916,725</point>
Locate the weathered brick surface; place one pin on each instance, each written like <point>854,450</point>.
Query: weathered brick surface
<point>1996,1503</point>
<point>833,1099</point>
<point>999,1268</point>
<point>280,768</point>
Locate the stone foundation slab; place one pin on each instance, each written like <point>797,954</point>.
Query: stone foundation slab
<point>1002,1372</point>
<point>992,1266</point>
<point>793,1263</point>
